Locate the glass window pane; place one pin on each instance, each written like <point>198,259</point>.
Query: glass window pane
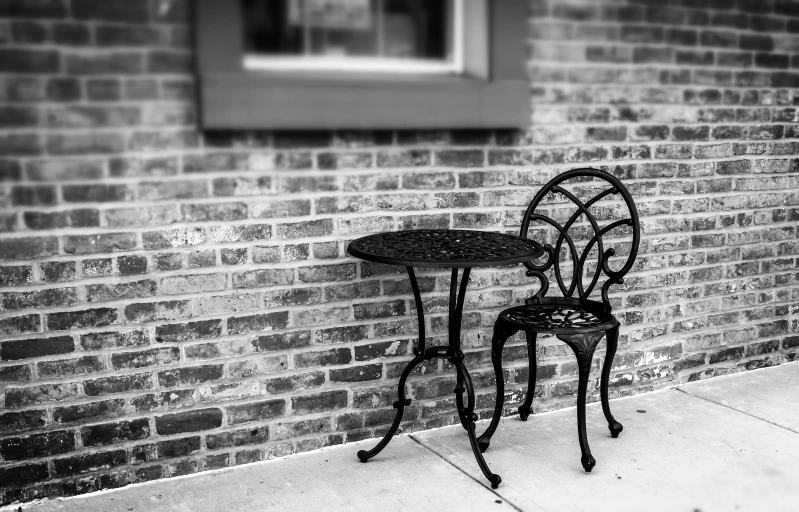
<point>393,29</point>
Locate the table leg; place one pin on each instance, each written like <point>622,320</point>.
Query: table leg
<point>399,405</point>
<point>421,355</point>
<point>457,295</point>
<point>470,418</point>
<point>456,298</point>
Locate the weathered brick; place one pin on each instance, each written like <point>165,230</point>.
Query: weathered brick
<point>190,331</point>
<point>242,437</point>
<point>118,432</point>
<point>69,367</point>
<point>89,411</point>
<point>340,334</point>
<point>357,373</point>
<point>323,358</point>
<point>189,421</point>
<point>118,384</point>
<point>398,348</point>
<point>234,256</point>
<point>28,248</point>
<point>279,385</point>
<point>80,464</point>
<point>379,309</point>
<point>121,291</point>
<point>263,278</point>
<point>37,347</point>
<point>155,311</point>
<point>16,373</point>
<point>101,243</point>
<point>213,212</point>
<point>291,297</point>
<point>52,297</point>
<point>145,358</point>
<point>57,271</point>
<point>135,217</point>
<point>257,411</point>
<point>44,393</point>
<point>96,267</point>
<point>190,375</point>
<point>254,323</point>
<point>282,341</point>
<point>165,449</point>
<point>216,350</point>
<point>37,445</point>
<point>315,274</point>
<point>327,401</point>
<point>174,285</point>
<point>175,238</point>
<point>79,319</point>
<point>20,324</point>
<point>15,422</point>
<point>306,229</point>
<point>168,400</point>
<point>23,475</point>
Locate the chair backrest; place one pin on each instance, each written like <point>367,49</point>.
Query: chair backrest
<point>566,250</point>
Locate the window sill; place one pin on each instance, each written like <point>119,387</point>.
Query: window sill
<point>280,101</point>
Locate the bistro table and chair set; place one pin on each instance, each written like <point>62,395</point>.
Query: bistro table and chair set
<point>576,317</point>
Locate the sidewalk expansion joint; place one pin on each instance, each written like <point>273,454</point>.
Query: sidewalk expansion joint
<point>479,482</point>
<point>737,410</point>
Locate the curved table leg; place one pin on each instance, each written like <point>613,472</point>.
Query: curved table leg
<point>421,355</point>
<point>471,417</point>
<point>457,294</point>
<point>399,405</point>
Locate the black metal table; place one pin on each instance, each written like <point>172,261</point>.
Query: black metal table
<point>441,248</point>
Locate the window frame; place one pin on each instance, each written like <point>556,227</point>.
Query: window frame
<point>492,93</point>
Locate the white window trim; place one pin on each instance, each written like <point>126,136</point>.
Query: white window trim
<point>253,62</point>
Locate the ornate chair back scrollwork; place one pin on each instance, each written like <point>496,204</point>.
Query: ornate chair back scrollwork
<point>577,258</point>
<point>577,317</point>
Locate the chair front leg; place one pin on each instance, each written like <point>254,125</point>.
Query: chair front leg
<point>526,408</point>
<point>501,335</point>
<point>612,338</point>
<point>583,346</point>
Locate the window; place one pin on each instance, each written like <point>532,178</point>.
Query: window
<point>287,64</point>
<point>388,36</point>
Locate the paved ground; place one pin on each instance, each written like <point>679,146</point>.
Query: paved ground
<point>720,445</point>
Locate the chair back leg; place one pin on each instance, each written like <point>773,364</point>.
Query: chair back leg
<point>526,408</point>
<point>583,346</point>
<point>612,339</point>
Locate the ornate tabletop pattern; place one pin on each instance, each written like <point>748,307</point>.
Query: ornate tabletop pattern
<point>448,248</point>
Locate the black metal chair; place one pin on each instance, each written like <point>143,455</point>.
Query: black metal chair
<point>581,322</point>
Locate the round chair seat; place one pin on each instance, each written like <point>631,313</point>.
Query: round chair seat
<point>559,316</point>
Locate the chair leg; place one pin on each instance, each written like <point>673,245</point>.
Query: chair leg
<point>526,407</point>
<point>612,337</point>
<point>583,346</point>
<point>501,335</point>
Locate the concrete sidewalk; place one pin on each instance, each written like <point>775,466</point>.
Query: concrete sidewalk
<point>718,445</point>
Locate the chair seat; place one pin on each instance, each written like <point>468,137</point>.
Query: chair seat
<point>560,315</point>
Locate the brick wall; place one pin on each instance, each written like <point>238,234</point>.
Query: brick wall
<point>176,301</point>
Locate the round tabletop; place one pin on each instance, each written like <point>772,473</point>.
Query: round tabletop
<point>447,248</point>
